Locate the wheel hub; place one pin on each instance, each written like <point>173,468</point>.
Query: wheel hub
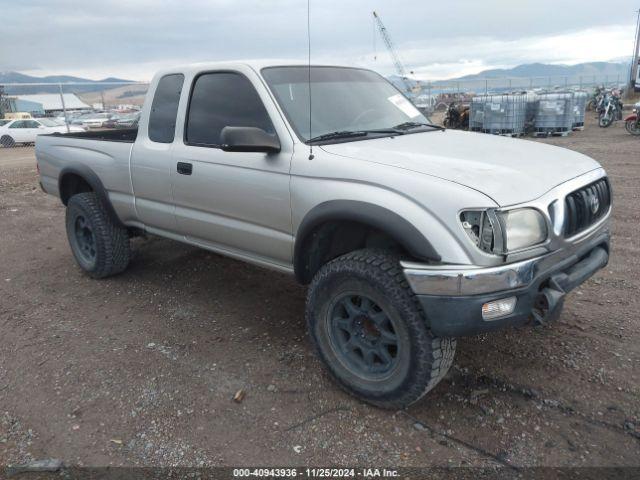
<point>85,238</point>
<point>366,329</point>
<point>364,335</point>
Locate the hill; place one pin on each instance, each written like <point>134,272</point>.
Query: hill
<point>16,77</point>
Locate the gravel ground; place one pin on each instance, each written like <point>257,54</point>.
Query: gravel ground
<point>142,368</point>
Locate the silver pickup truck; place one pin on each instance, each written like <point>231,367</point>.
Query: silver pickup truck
<point>408,235</point>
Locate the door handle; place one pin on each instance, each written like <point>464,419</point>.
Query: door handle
<point>185,168</point>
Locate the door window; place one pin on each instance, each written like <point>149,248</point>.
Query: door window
<point>162,119</point>
<point>18,124</point>
<point>223,99</point>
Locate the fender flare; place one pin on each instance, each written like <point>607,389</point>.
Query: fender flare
<point>370,214</point>
<point>94,182</point>
<point>631,117</point>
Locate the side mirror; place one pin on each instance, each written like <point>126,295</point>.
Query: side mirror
<point>248,139</point>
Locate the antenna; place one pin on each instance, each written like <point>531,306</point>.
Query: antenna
<point>309,71</point>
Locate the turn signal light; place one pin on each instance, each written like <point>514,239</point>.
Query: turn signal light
<point>498,308</point>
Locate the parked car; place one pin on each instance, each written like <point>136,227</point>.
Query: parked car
<point>408,235</point>
<point>70,117</point>
<point>96,120</point>
<point>128,121</point>
<point>25,131</point>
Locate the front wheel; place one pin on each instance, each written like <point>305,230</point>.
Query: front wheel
<point>369,329</point>
<point>633,127</point>
<point>605,120</point>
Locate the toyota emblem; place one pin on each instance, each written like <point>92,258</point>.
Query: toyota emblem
<point>595,204</point>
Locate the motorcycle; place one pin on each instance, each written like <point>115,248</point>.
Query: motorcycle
<point>456,116</point>
<point>632,122</point>
<point>610,110</point>
<point>596,99</point>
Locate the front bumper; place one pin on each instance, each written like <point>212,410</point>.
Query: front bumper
<point>452,296</point>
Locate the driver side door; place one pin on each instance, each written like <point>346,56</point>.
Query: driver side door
<point>235,202</point>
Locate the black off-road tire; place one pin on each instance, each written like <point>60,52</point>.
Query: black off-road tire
<point>7,141</point>
<point>422,359</point>
<point>111,249</point>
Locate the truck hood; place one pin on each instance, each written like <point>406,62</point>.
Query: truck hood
<point>508,170</point>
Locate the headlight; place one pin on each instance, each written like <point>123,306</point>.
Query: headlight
<point>501,232</point>
<point>522,228</point>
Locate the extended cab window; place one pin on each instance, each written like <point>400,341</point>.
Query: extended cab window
<point>219,100</point>
<point>162,119</point>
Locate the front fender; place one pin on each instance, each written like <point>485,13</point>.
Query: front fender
<point>365,213</point>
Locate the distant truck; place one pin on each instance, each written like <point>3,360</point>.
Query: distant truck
<point>17,115</point>
<point>408,235</point>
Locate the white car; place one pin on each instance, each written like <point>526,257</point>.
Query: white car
<point>26,130</point>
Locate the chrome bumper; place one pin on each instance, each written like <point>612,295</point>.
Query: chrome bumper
<point>461,280</point>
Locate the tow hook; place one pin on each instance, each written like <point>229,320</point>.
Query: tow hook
<point>546,305</point>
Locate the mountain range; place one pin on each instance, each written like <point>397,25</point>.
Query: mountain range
<point>551,70</point>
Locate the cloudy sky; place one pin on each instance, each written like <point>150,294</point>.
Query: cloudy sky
<point>132,38</point>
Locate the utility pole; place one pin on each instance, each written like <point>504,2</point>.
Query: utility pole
<point>635,59</point>
<point>1,101</point>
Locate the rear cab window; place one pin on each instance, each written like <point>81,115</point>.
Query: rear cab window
<point>164,109</point>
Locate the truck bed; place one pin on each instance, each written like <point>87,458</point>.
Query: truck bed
<point>106,153</point>
<point>127,135</point>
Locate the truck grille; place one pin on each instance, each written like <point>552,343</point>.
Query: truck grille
<point>586,206</point>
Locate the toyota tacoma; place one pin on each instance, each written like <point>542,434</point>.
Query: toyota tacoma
<point>408,235</point>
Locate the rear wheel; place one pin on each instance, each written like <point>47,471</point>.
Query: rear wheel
<point>370,331</point>
<point>7,141</point>
<point>99,245</point>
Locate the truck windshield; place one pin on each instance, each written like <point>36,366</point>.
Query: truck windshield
<point>347,103</point>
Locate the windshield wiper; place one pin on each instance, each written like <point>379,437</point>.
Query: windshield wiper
<point>338,134</point>
<point>410,125</point>
<point>353,133</point>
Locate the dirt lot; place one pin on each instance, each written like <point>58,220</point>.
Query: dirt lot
<point>140,369</point>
